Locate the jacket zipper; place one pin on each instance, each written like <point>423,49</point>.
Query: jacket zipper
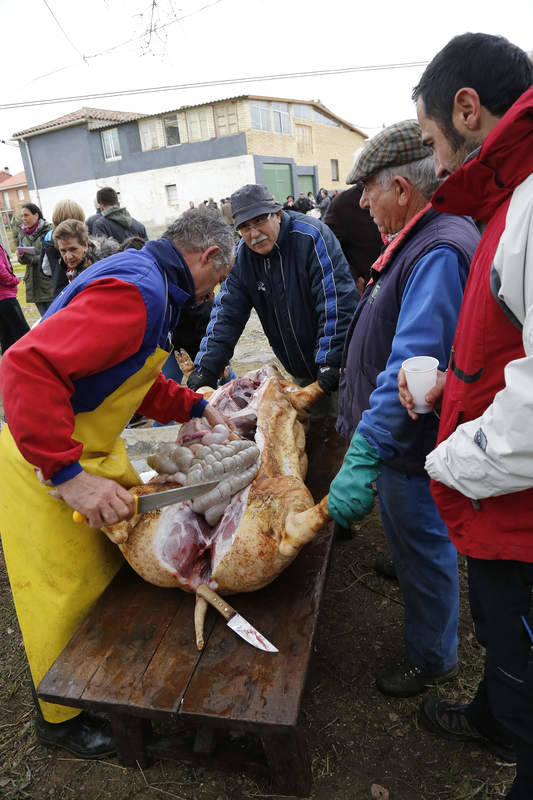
<point>267,270</point>
<point>290,318</point>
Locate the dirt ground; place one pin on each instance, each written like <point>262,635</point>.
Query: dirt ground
<point>362,744</point>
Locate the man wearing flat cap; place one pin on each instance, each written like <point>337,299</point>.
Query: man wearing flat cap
<point>291,269</point>
<point>409,308</point>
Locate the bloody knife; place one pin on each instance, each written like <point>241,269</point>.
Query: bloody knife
<point>235,621</point>
<point>147,502</point>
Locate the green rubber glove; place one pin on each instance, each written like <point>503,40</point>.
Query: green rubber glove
<point>351,496</point>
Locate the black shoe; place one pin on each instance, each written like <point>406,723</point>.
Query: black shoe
<point>448,720</point>
<point>83,736</point>
<point>384,566</point>
<point>406,680</point>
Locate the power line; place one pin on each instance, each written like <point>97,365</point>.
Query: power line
<point>69,40</point>
<point>221,82</point>
<point>153,30</point>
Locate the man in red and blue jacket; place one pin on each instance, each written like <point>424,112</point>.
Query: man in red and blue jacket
<point>69,388</point>
<point>475,105</point>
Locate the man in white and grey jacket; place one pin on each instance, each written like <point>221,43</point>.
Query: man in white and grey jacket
<point>475,105</point>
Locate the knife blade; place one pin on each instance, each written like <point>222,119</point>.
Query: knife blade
<point>147,502</point>
<point>237,623</point>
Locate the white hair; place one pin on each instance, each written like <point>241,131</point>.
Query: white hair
<point>201,228</point>
<point>420,173</point>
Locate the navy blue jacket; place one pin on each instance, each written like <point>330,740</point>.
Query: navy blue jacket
<point>303,293</point>
<point>410,309</point>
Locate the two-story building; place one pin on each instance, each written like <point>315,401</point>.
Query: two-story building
<point>13,194</point>
<point>159,163</point>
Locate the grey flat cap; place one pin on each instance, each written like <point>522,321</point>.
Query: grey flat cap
<point>250,201</point>
<point>398,144</point>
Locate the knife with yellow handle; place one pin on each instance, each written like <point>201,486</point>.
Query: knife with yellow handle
<point>147,502</point>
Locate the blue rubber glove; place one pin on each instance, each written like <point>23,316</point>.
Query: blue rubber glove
<point>351,496</point>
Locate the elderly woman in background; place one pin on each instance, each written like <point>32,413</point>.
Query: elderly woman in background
<point>34,228</point>
<point>13,325</point>
<point>51,263</point>
<point>71,238</point>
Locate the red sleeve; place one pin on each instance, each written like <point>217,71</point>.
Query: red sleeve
<point>167,401</point>
<point>103,325</point>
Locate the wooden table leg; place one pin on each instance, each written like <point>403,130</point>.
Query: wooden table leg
<point>288,762</point>
<point>130,734</point>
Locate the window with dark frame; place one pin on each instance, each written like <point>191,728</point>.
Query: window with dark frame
<point>334,169</point>
<point>172,131</point>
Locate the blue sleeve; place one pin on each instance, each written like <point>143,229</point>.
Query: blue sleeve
<point>426,325</point>
<point>333,289</point>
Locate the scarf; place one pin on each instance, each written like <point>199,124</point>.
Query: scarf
<point>397,239</point>
<point>29,231</point>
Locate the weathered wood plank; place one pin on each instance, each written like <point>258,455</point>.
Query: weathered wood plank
<point>165,679</point>
<point>244,687</point>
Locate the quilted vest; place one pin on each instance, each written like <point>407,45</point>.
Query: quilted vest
<point>369,339</point>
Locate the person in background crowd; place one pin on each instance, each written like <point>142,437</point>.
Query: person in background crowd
<point>71,238</point>
<point>90,220</point>
<point>289,204</point>
<point>225,207</point>
<point>291,269</point>
<point>51,263</point>
<point>475,108</point>
<point>325,200</point>
<point>34,229</point>
<point>359,237</point>
<point>319,195</point>
<point>90,363</point>
<point>410,307</point>
<point>13,324</point>
<point>311,198</point>
<point>302,204</point>
<point>115,220</point>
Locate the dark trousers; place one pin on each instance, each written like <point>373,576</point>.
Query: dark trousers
<point>13,324</point>
<point>501,592</point>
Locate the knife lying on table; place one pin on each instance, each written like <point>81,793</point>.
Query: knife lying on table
<point>147,502</point>
<point>235,621</point>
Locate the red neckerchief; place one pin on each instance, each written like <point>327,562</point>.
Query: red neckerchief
<point>381,262</point>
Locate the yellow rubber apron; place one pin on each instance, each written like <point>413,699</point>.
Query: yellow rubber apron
<point>58,568</point>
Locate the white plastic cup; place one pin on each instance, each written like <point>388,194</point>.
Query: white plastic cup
<point>421,376</point>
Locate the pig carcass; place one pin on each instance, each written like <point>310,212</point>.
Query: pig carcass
<point>251,543</point>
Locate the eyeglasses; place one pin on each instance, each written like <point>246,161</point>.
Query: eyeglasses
<point>256,222</point>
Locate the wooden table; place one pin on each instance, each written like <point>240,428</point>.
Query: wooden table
<point>135,658</point>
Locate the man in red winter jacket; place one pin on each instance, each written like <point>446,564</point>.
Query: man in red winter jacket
<point>475,105</point>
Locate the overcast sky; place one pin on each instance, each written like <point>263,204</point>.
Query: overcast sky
<point>60,48</point>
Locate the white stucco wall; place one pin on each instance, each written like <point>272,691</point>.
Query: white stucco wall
<point>144,193</point>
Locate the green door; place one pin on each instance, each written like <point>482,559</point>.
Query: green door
<point>278,180</point>
<point>306,184</point>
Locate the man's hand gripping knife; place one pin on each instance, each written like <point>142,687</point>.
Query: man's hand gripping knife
<point>351,495</point>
